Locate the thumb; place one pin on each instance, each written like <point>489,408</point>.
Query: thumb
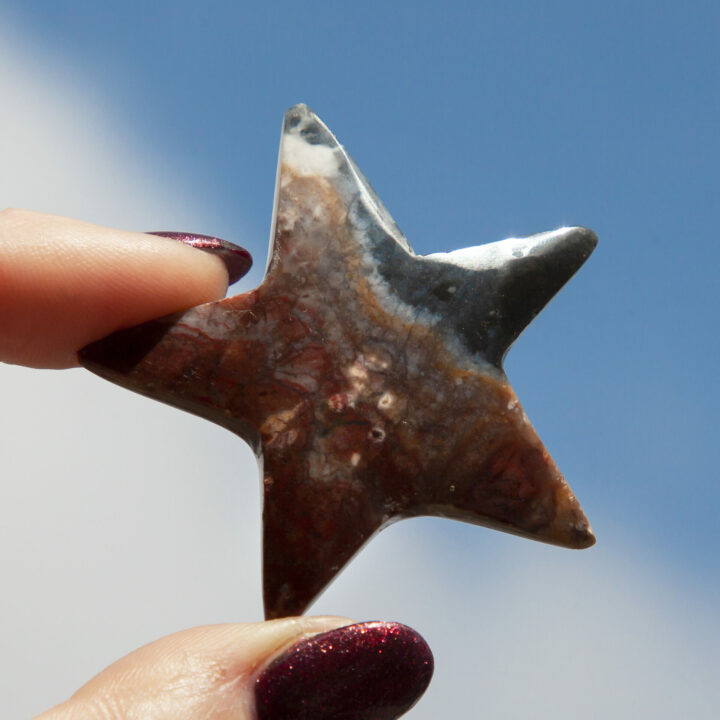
<point>299,668</point>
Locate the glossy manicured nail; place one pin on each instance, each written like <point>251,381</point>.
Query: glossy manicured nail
<point>237,259</point>
<point>370,671</point>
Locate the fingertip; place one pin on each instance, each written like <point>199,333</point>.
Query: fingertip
<point>366,671</point>
<point>304,668</point>
<point>236,260</point>
<point>67,283</point>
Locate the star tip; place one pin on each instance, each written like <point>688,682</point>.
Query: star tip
<point>584,538</point>
<point>582,235</point>
<point>283,599</point>
<point>279,610</point>
<point>303,124</point>
<point>295,113</point>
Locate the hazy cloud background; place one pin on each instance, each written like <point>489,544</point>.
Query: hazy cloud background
<point>124,520</point>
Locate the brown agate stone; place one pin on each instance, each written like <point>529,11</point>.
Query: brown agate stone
<point>368,379</point>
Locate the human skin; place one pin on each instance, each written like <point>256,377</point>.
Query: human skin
<point>206,673</point>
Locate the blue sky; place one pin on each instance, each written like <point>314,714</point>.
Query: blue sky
<point>474,122</point>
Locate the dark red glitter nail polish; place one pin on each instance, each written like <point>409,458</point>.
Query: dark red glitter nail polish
<point>370,671</point>
<point>237,259</point>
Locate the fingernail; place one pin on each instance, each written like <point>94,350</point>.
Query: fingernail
<point>237,259</point>
<point>370,671</point>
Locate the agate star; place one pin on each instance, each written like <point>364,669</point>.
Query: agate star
<point>368,379</point>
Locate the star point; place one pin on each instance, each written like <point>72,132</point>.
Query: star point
<point>368,378</point>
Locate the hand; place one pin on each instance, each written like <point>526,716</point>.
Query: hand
<point>64,284</point>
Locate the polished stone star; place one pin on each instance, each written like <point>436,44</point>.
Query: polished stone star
<point>367,378</point>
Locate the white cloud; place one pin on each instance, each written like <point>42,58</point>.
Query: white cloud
<point>123,520</point>
<point>64,152</point>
